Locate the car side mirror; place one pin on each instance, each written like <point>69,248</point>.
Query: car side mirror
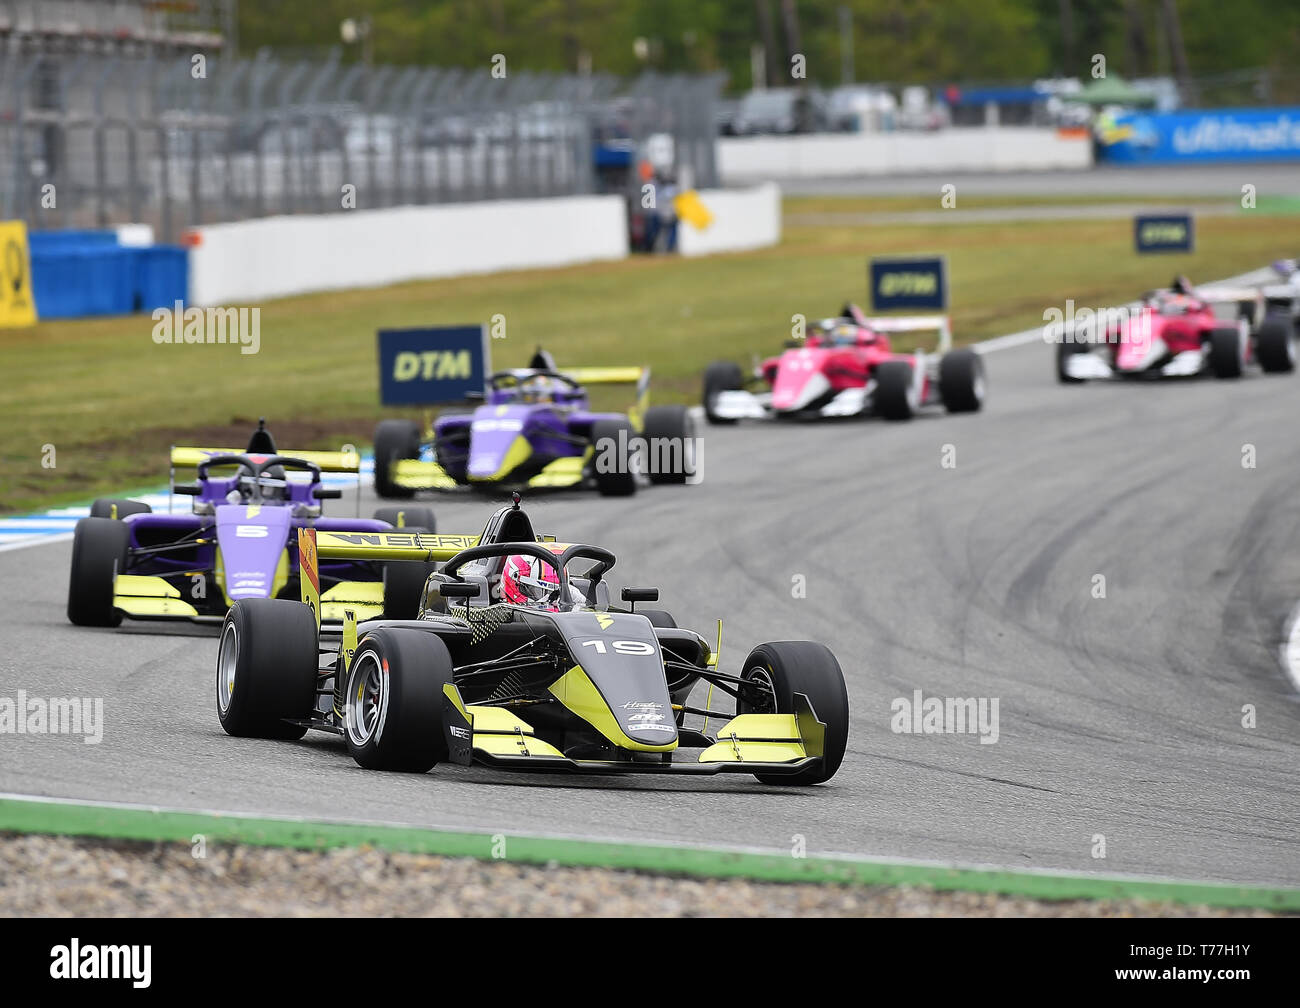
<point>640,594</point>
<point>457,589</point>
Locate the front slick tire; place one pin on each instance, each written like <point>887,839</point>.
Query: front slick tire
<point>614,458</point>
<point>1275,345</point>
<point>1227,352</point>
<point>670,448</point>
<point>720,376</point>
<point>894,392</point>
<point>789,667</point>
<point>961,381</point>
<point>392,714</point>
<point>394,440</point>
<point>266,668</point>
<point>99,551</point>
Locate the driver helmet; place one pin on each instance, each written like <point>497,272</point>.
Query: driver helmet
<point>242,494</point>
<point>844,333</point>
<point>1181,285</point>
<point>537,388</point>
<point>530,581</point>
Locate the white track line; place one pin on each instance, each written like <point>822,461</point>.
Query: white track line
<point>1290,650</point>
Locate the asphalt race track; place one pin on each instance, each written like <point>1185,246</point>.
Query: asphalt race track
<point>1120,716</point>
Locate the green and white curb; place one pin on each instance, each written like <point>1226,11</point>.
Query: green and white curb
<point>23,814</point>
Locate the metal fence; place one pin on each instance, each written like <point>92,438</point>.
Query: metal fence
<point>97,139</point>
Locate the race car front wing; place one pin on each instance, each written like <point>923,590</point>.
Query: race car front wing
<point>775,744</point>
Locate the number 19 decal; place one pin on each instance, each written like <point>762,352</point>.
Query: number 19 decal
<point>623,647</point>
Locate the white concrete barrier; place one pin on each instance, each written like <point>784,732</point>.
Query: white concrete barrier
<point>742,219</point>
<point>277,256</point>
<point>744,160</point>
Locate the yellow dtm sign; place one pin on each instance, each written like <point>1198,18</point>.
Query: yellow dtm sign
<point>17,305</point>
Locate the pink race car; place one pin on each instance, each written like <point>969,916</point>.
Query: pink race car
<point>1177,333</point>
<point>845,367</point>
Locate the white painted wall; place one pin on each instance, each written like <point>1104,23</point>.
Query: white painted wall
<point>742,219</point>
<point>277,256</point>
<point>752,159</point>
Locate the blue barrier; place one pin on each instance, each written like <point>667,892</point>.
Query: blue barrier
<point>80,273</point>
<point>1200,136</point>
<point>162,276</point>
<point>79,280</point>
<point>57,241</point>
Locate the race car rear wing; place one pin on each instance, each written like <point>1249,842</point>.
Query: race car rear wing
<point>939,324</point>
<point>335,462</point>
<point>314,546</point>
<point>346,461</point>
<point>638,376</point>
<point>1255,302</point>
<point>428,547</point>
<point>397,545</point>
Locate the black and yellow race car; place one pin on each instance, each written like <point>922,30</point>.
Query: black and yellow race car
<point>519,661</point>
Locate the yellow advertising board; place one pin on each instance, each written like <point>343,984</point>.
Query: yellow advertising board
<point>17,304</point>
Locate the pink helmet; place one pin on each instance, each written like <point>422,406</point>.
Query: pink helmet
<point>528,580</point>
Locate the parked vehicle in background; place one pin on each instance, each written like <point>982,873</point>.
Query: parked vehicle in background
<point>862,108</point>
<point>781,110</point>
<point>920,111</point>
<point>725,111</point>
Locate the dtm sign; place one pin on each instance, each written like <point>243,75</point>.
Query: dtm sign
<point>419,367</point>
<point>909,284</point>
<point>1164,233</point>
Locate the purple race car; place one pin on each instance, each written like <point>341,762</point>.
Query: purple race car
<point>536,429</point>
<point>240,542</point>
